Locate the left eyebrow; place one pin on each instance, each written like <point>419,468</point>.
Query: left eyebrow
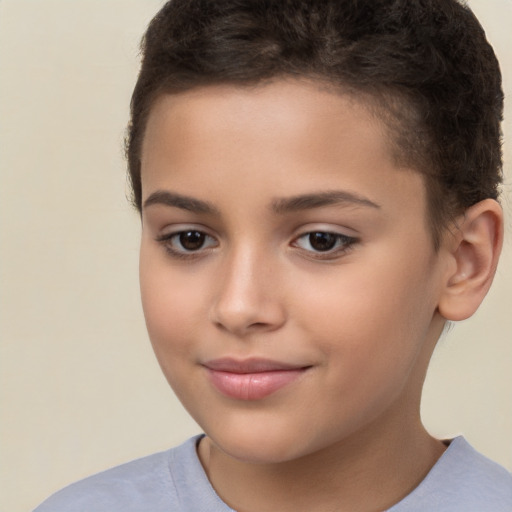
<point>319,200</point>
<point>172,199</point>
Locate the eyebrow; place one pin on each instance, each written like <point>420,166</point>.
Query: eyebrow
<point>280,206</point>
<point>163,197</point>
<point>320,199</point>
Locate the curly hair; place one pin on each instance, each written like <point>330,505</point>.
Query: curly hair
<point>424,67</point>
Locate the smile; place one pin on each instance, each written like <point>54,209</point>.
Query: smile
<point>252,379</point>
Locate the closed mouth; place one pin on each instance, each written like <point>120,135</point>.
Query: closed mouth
<point>251,379</point>
<point>253,365</point>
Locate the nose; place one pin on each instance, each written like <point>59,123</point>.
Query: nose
<point>248,299</point>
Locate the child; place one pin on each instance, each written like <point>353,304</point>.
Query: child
<point>318,185</point>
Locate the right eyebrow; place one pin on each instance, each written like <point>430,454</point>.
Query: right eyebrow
<point>319,200</point>
<point>166,198</point>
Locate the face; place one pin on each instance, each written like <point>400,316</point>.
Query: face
<point>288,276</point>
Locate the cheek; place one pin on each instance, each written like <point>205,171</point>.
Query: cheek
<point>172,304</point>
<point>370,315</point>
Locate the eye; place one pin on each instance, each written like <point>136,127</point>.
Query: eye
<point>187,242</point>
<point>324,242</point>
<point>190,240</point>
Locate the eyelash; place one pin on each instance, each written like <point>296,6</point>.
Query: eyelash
<point>167,241</point>
<point>342,244</point>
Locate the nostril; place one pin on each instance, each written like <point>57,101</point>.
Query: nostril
<point>258,325</point>
<point>244,321</point>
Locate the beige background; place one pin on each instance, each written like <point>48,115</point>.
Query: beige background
<point>80,389</point>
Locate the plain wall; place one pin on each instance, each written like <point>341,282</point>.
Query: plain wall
<point>80,388</point>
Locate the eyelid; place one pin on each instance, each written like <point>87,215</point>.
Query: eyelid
<point>170,232</point>
<point>339,236</point>
<point>344,242</point>
<point>340,249</point>
<point>172,228</point>
<point>327,226</point>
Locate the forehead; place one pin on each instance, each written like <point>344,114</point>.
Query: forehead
<point>264,116</point>
<point>286,137</point>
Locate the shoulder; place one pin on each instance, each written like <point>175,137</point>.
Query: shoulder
<point>462,480</point>
<point>143,484</point>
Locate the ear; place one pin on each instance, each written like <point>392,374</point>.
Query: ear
<point>474,247</point>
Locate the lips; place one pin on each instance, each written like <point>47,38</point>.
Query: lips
<point>251,379</point>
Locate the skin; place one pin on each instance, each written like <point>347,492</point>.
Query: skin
<point>363,318</point>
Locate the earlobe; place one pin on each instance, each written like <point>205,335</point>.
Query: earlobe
<point>474,248</point>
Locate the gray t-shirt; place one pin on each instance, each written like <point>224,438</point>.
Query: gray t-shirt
<point>462,480</point>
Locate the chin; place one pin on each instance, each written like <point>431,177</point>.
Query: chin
<point>257,451</point>
<point>262,445</point>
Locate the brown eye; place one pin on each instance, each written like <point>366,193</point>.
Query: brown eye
<point>192,240</point>
<point>321,241</point>
<point>187,243</point>
<point>324,244</point>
